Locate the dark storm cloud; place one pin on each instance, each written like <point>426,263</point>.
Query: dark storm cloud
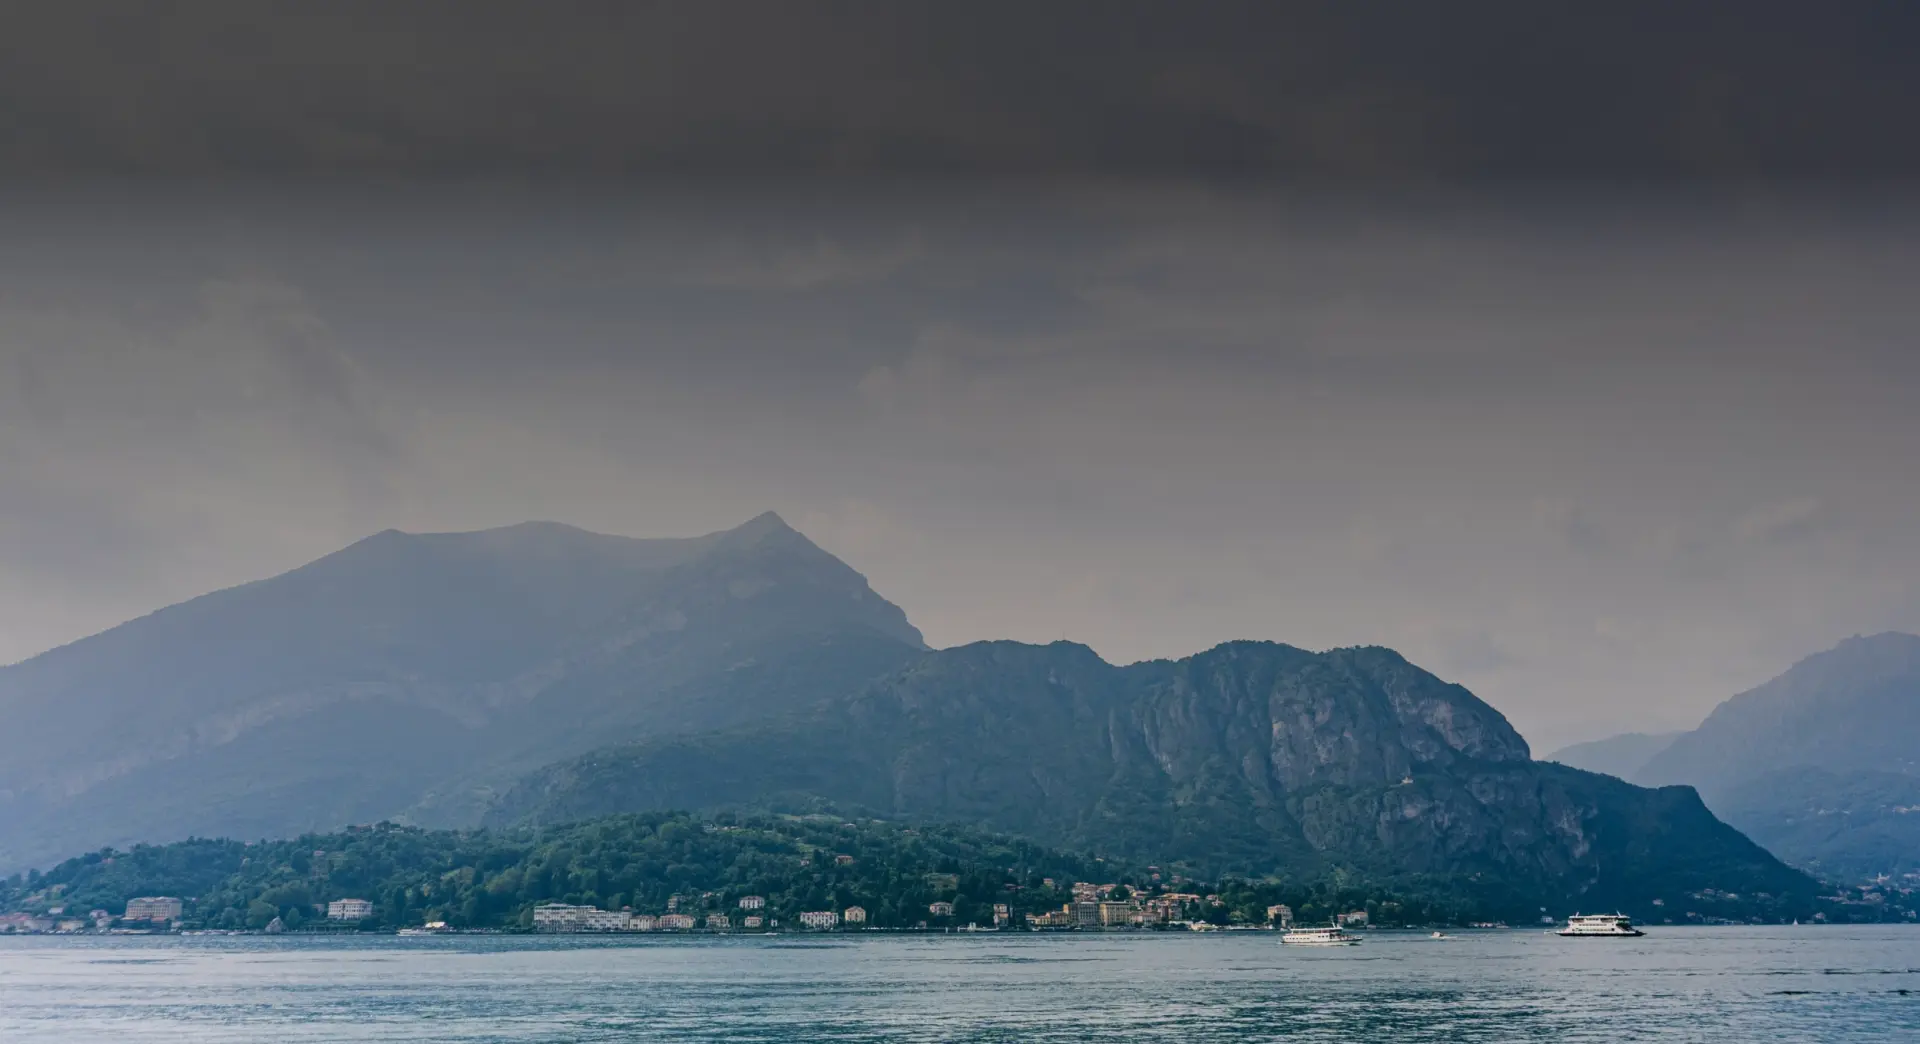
<point>1349,92</point>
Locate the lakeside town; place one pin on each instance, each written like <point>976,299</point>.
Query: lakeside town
<point>1092,907</point>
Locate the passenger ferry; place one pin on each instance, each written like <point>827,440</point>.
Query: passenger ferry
<point>1329,936</point>
<point>1609,925</point>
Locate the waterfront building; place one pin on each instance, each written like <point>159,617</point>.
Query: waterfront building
<point>719,922</point>
<point>674,922</point>
<point>1111,914</point>
<point>349,910</point>
<point>560,917</point>
<point>1086,913</point>
<point>158,909</point>
<point>819,919</point>
<point>1061,918</point>
<point>855,915</point>
<point>1357,917</point>
<point>593,919</point>
<point>642,923</point>
<point>550,917</point>
<point>752,921</point>
<point>1002,915</point>
<point>1281,914</point>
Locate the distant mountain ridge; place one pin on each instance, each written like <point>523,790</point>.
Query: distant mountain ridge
<point>402,674</point>
<point>1817,764</point>
<point>1249,758</point>
<point>1622,756</point>
<point>1855,706</point>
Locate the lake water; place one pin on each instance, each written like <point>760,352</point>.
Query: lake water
<point>1682,984</point>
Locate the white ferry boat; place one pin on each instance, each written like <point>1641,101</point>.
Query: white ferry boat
<point>1329,936</point>
<point>1608,925</point>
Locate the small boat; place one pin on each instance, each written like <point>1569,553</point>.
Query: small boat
<point>1441,935</point>
<point>1612,926</point>
<point>1333,935</point>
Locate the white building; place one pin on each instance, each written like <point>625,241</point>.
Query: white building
<point>855,915</point>
<point>593,919</point>
<point>674,922</point>
<point>156,908</point>
<point>753,902</point>
<point>819,919</point>
<point>349,910</point>
<point>718,922</point>
<point>753,921</point>
<point>560,917</point>
<point>940,909</point>
<point>643,922</point>
<point>555,917</point>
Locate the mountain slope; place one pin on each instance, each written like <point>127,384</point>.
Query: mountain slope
<point>1855,706</point>
<point>1251,757</point>
<point>406,673</point>
<point>1622,756</point>
<point>1816,763</point>
<point>1849,826</point>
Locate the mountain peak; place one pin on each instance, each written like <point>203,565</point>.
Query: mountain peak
<point>764,522</point>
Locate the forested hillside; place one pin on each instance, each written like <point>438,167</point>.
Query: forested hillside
<point>1250,759</point>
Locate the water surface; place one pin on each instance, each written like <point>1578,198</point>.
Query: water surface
<point>1682,984</point>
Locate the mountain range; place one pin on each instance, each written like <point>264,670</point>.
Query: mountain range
<point>1821,765</point>
<point>1245,759</point>
<point>407,676</point>
<point>1623,755</point>
<point>541,673</point>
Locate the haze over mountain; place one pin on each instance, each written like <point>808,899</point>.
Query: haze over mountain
<point>417,676</point>
<point>1855,706</point>
<point>403,674</point>
<point>1820,764</point>
<point>1249,757</point>
<point>1623,755</point>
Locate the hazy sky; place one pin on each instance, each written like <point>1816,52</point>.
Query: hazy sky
<point>1584,376</point>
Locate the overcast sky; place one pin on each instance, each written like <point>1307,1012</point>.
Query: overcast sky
<point>1586,380</point>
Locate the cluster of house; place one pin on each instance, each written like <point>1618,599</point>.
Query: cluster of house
<point>148,912</point>
<point>563,917</point>
<point>1093,906</point>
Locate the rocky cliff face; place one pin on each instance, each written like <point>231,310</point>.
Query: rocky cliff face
<point>1251,757</point>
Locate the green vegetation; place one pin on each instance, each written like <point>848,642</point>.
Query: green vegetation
<point>493,879</point>
<point>482,879</point>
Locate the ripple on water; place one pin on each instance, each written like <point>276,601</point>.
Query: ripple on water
<point>1854,986</point>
